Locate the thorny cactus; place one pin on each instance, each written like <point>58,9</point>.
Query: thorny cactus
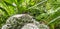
<point>23,21</point>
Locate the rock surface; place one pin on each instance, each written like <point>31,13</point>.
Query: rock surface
<point>23,21</point>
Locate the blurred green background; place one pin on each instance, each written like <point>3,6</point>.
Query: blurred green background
<point>47,11</point>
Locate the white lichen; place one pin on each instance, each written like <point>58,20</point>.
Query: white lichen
<point>23,21</point>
